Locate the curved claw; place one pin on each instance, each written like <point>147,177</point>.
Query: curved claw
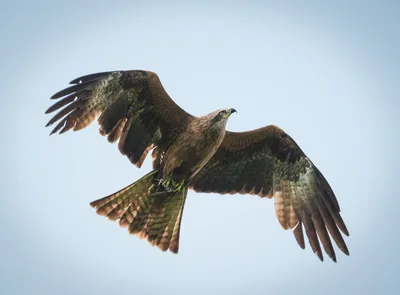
<point>178,185</point>
<point>171,185</point>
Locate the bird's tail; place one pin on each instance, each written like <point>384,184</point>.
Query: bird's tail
<point>147,210</point>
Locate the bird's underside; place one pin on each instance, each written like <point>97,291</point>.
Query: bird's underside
<point>195,153</point>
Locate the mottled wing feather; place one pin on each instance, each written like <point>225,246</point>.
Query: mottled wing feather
<point>131,106</point>
<point>269,163</point>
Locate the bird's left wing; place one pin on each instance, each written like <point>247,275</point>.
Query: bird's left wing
<point>131,106</point>
<point>267,162</point>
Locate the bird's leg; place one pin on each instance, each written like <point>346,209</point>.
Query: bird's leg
<point>171,185</point>
<point>180,185</point>
<point>177,186</point>
<point>165,182</point>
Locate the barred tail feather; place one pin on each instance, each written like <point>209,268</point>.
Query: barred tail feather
<point>123,197</point>
<point>151,214</point>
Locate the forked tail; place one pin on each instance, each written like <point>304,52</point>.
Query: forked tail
<point>147,210</point>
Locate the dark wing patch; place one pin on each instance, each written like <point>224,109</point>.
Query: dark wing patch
<point>269,163</point>
<point>131,106</point>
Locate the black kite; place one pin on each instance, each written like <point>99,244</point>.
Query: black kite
<point>195,153</point>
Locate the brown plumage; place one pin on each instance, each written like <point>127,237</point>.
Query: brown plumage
<point>133,108</point>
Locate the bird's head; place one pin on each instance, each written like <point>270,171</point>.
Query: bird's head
<point>220,117</point>
<point>225,114</point>
<point>217,119</point>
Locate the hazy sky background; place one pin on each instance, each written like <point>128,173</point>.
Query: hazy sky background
<point>327,73</point>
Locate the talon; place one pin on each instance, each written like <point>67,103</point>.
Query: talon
<point>171,185</point>
<point>166,183</point>
<point>178,186</point>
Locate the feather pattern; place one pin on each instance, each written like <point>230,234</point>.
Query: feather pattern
<point>131,106</point>
<point>155,216</point>
<point>268,158</point>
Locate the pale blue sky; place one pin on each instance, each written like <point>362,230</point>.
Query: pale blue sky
<point>327,73</point>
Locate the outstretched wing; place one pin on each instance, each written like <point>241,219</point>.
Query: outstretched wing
<point>131,106</point>
<point>268,162</point>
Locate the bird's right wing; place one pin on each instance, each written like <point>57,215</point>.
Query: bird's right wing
<point>131,106</point>
<point>269,163</point>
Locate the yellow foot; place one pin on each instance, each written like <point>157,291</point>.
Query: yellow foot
<point>171,185</point>
<point>177,185</point>
<point>164,182</point>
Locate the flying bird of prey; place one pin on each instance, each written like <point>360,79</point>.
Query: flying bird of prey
<point>195,153</point>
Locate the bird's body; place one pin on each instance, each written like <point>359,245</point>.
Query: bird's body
<point>193,148</point>
<point>196,153</point>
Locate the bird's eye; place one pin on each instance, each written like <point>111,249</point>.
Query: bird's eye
<point>221,113</point>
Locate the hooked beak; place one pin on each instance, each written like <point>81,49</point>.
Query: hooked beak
<point>231,111</point>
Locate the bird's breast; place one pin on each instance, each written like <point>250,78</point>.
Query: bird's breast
<point>190,152</point>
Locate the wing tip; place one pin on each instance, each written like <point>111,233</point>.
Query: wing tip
<point>90,77</point>
<point>345,250</point>
<point>320,255</point>
<point>345,230</point>
<point>75,81</point>
<point>55,96</point>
